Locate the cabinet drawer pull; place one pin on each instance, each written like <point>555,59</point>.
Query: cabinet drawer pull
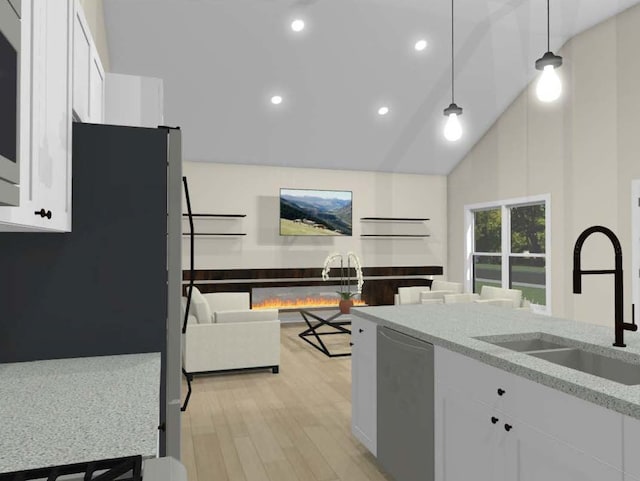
<point>43,213</point>
<point>361,330</point>
<point>494,420</point>
<point>351,343</point>
<point>508,427</point>
<point>501,391</point>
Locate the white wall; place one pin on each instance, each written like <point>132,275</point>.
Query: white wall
<point>583,150</point>
<point>254,191</point>
<point>94,13</point>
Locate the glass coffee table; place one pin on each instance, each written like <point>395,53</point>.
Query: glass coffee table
<point>335,324</point>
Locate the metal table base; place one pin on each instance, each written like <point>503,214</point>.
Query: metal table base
<point>312,331</point>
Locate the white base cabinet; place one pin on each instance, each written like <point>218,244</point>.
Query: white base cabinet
<point>364,383</point>
<point>468,445</point>
<point>527,433</point>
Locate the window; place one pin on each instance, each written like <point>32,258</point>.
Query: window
<point>507,247</point>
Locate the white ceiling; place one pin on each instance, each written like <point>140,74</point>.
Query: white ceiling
<point>221,61</point>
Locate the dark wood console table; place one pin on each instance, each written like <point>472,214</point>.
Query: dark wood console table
<point>381,283</point>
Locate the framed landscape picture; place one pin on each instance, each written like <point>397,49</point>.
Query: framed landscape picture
<point>306,212</point>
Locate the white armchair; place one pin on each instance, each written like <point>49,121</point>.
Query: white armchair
<point>409,295</point>
<point>500,297</point>
<point>438,290</point>
<point>224,333</point>
<point>495,296</point>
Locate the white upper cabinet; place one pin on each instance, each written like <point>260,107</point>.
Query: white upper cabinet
<point>61,76</point>
<point>45,137</point>
<point>81,64</point>
<point>88,73</point>
<point>96,91</point>
<point>134,101</point>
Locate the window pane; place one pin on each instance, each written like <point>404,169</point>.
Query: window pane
<point>488,230</point>
<point>527,229</point>
<point>487,271</point>
<point>528,275</point>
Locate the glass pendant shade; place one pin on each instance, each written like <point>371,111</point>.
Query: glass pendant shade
<point>453,128</point>
<point>549,86</point>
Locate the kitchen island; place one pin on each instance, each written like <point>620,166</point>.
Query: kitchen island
<point>74,410</point>
<point>499,413</point>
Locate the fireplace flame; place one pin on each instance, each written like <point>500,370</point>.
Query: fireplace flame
<point>301,303</point>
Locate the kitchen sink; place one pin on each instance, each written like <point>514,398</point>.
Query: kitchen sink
<point>595,364</point>
<point>537,341</point>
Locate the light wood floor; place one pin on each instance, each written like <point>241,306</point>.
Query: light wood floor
<point>291,426</point>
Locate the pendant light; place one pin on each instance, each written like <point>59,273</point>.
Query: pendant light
<point>549,86</point>
<point>452,129</point>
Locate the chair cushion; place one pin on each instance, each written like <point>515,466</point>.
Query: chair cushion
<point>490,292</point>
<point>243,315</point>
<point>438,300</point>
<point>454,287</point>
<point>428,295</point>
<point>200,307</point>
<point>460,298</point>
<point>227,301</point>
<point>496,302</point>
<point>411,295</point>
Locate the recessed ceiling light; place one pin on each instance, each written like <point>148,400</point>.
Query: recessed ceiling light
<point>420,45</point>
<point>383,110</point>
<point>297,25</point>
<point>276,99</point>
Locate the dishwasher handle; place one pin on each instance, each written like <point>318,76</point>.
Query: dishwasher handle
<point>405,341</point>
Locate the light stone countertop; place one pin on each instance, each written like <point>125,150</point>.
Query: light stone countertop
<point>74,410</point>
<point>454,327</point>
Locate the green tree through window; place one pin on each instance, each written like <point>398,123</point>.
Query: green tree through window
<point>488,228</point>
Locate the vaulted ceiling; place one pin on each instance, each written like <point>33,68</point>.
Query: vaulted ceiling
<point>222,61</point>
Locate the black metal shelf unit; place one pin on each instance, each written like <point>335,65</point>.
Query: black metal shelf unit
<point>214,216</point>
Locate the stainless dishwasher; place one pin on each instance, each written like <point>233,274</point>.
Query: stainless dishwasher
<point>405,406</point>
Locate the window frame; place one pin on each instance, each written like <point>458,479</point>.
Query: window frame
<point>505,242</point>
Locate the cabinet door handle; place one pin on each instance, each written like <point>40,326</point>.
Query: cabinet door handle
<point>351,343</point>
<point>501,391</point>
<point>494,420</point>
<point>360,330</point>
<point>43,213</point>
<point>508,427</point>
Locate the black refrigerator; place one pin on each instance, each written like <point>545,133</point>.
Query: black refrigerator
<point>111,285</point>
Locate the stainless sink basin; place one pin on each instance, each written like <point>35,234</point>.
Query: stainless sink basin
<point>535,341</point>
<point>530,345</point>
<point>591,363</point>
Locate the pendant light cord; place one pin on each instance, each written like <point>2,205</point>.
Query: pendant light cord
<point>548,29</point>
<point>452,61</point>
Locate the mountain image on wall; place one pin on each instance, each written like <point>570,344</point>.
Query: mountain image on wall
<point>315,212</point>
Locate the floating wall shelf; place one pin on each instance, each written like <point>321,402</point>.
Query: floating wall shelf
<point>397,219</point>
<point>227,216</point>
<point>396,235</point>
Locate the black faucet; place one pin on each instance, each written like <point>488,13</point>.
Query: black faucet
<point>620,325</point>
